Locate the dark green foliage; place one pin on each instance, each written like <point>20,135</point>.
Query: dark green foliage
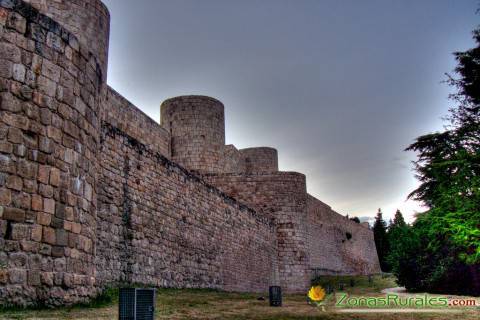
<point>441,251</point>
<point>381,240</point>
<point>355,219</point>
<point>398,221</point>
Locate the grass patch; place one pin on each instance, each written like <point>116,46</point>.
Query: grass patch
<point>356,284</point>
<point>196,304</point>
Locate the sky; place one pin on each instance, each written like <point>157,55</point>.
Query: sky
<point>340,88</point>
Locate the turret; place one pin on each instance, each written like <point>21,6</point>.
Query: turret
<point>260,160</point>
<point>88,20</point>
<point>197,128</point>
<point>53,66</point>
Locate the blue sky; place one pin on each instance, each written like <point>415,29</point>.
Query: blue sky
<point>340,88</point>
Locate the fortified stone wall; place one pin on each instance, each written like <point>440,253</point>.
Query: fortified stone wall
<point>283,197</point>
<point>93,192</point>
<point>312,238</point>
<point>121,113</point>
<point>49,135</point>
<point>232,160</point>
<point>183,234</point>
<point>338,245</point>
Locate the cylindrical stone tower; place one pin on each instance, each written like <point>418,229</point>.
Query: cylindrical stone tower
<point>197,127</point>
<point>88,20</point>
<point>51,74</point>
<point>260,160</point>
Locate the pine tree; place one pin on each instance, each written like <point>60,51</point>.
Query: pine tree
<point>448,167</point>
<point>398,220</point>
<point>381,240</point>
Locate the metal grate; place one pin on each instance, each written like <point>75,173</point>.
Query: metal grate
<point>275,296</point>
<point>136,304</point>
<point>126,304</point>
<point>145,304</point>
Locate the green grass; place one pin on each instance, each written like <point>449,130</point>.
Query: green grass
<point>211,304</point>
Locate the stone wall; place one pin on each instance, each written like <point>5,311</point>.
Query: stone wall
<point>121,113</point>
<point>183,234</point>
<point>312,238</point>
<point>49,135</point>
<point>338,245</point>
<point>93,192</point>
<point>283,197</point>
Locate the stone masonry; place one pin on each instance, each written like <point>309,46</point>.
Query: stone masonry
<point>94,193</point>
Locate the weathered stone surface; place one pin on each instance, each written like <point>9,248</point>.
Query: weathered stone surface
<point>13,214</point>
<point>49,235</point>
<point>89,194</point>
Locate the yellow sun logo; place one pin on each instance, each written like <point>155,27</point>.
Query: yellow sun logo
<point>316,293</point>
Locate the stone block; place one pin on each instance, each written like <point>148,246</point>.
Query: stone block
<point>46,86</point>
<point>19,72</point>
<point>3,16</point>
<point>49,235</point>
<point>6,147</point>
<point>17,276</point>
<point>45,249</point>
<point>3,276</point>
<point>45,145</point>
<point>15,120</point>
<point>46,190</point>
<point>20,232</point>
<point>37,202</point>
<point>5,197</point>
<point>34,278</point>
<point>13,214</point>
<point>51,71</point>
<point>15,183</point>
<point>58,251</point>
<point>43,174</point>
<point>55,177</point>
<point>46,278</point>
<point>55,134</point>
<point>55,42</point>
<point>62,237</point>
<point>18,260</point>
<point>36,233</point>
<point>27,169</point>
<point>17,22</point>
<point>9,103</point>
<point>10,52</point>
<point>20,150</point>
<point>6,164</point>
<point>49,205</point>
<point>6,68</point>
<point>44,218</point>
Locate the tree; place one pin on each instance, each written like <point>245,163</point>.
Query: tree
<point>355,219</point>
<point>397,230</point>
<point>381,240</point>
<point>398,220</point>
<point>448,168</point>
<point>448,164</point>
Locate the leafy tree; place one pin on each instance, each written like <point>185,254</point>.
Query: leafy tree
<point>381,239</point>
<point>448,168</point>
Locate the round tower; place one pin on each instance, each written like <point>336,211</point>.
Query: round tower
<point>88,20</point>
<point>50,134</point>
<point>197,127</point>
<point>260,160</point>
